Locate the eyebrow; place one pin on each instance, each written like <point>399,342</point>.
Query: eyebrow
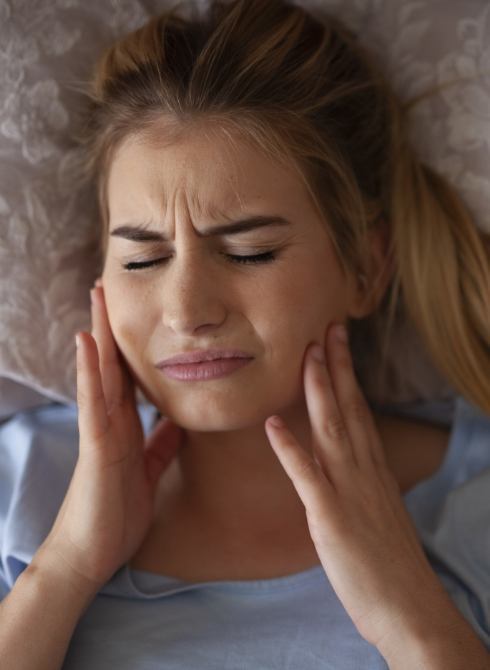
<point>141,233</point>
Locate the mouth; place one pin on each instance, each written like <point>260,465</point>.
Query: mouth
<point>205,370</point>
<point>202,356</point>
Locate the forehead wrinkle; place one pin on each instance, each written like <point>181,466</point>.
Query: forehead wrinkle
<point>198,203</point>
<point>232,149</point>
<point>204,208</point>
<point>231,172</point>
<point>213,134</point>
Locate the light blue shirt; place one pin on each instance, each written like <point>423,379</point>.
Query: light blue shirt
<point>145,621</point>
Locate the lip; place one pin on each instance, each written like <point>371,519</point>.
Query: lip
<point>201,355</point>
<point>204,371</point>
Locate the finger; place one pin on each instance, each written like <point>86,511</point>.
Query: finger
<point>93,422</point>
<point>113,379</point>
<point>363,434</point>
<point>330,439</point>
<point>161,447</point>
<point>165,437</point>
<point>311,484</point>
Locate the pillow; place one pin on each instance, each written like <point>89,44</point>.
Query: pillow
<point>48,256</point>
<point>48,259</point>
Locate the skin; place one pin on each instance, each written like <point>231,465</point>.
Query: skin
<point>226,480</point>
<point>234,470</point>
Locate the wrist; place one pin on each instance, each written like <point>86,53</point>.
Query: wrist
<point>446,652</point>
<point>48,567</point>
<point>438,639</point>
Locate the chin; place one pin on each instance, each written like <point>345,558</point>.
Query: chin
<point>212,419</point>
<point>220,406</point>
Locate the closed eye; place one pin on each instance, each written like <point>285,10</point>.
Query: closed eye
<point>266,257</point>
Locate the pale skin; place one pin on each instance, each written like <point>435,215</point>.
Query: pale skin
<point>219,469</point>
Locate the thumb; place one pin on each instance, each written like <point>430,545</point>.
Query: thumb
<point>161,446</point>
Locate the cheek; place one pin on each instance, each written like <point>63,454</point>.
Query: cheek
<point>129,336</point>
<point>127,322</point>
<point>285,320</point>
<point>302,306</point>
<point>304,302</point>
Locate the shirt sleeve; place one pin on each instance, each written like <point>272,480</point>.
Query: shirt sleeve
<point>458,545</point>
<point>4,589</point>
<point>38,451</point>
<point>11,463</point>
<point>38,454</point>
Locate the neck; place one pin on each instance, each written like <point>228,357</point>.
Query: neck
<point>234,482</point>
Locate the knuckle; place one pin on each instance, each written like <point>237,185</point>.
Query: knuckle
<point>82,399</point>
<point>308,469</point>
<point>334,427</point>
<point>85,400</point>
<point>116,403</point>
<point>356,411</point>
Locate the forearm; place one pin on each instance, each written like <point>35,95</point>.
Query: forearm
<point>442,641</point>
<point>440,654</point>
<point>38,617</point>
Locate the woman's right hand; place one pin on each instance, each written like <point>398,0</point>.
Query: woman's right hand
<point>109,505</point>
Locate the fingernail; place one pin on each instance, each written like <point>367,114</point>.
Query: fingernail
<point>318,353</point>
<point>341,333</point>
<point>98,282</point>
<point>275,421</point>
<point>77,340</point>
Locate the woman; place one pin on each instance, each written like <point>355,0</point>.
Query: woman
<point>256,192</point>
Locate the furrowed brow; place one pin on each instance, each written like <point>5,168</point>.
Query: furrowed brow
<point>141,233</point>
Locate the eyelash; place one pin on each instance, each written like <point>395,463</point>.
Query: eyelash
<point>266,257</point>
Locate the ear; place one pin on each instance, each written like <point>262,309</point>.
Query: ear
<point>367,295</point>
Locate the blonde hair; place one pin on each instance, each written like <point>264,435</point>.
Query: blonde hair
<point>305,92</point>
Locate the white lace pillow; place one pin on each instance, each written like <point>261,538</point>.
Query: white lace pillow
<point>47,254</point>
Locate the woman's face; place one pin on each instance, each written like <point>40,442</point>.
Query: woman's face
<point>196,297</point>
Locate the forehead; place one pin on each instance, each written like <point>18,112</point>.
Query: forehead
<point>214,170</point>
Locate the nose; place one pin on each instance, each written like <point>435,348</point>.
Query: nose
<point>193,301</point>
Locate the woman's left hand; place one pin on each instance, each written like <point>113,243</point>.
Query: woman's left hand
<point>363,534</point>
